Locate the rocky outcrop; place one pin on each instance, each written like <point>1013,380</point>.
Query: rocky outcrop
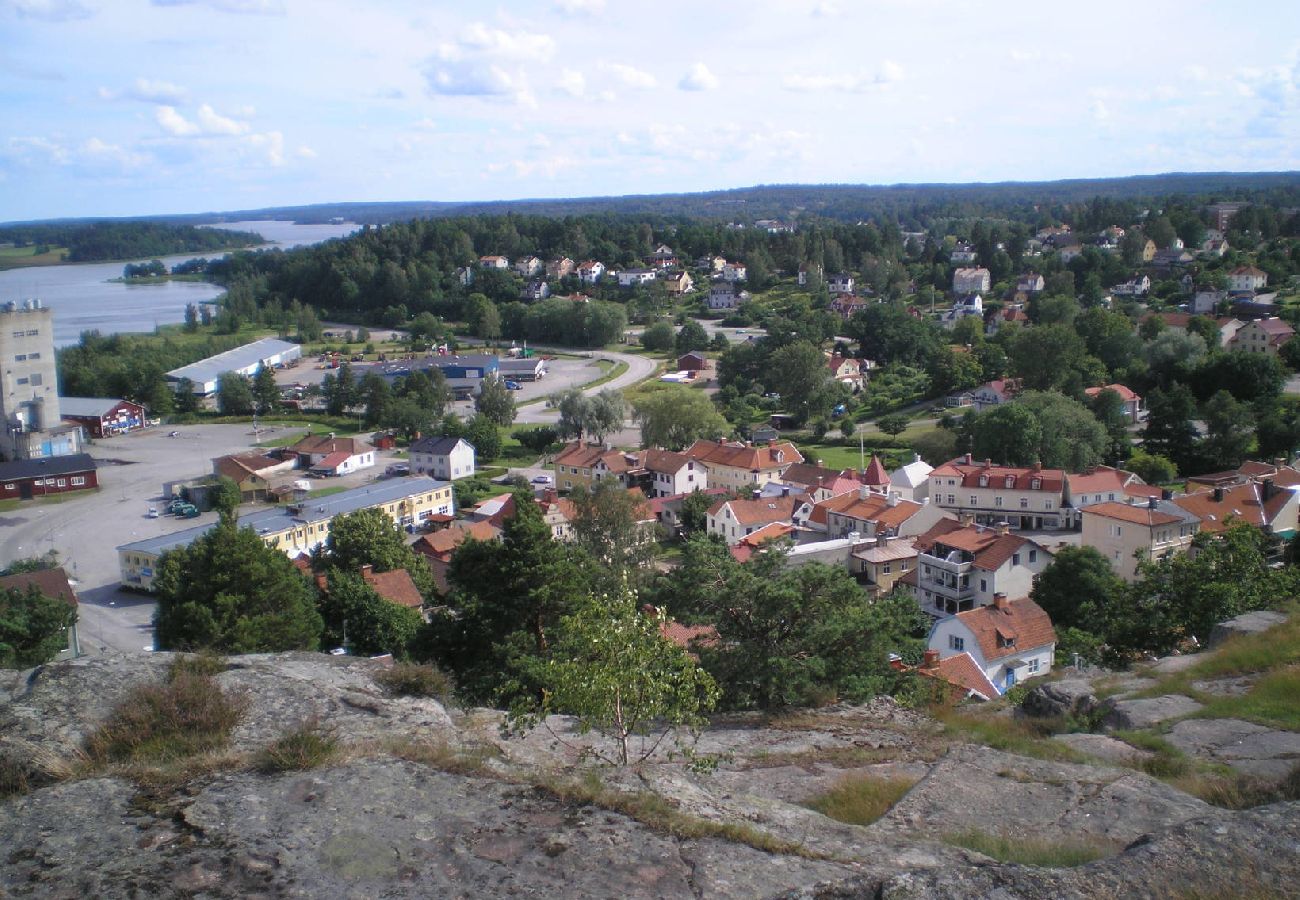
<point>1147,712</point>
<point>1068,697</point>
<point>1248,748</point>
<point>1246,623</point>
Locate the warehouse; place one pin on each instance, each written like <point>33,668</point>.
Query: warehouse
<point>246,360</point>
<point>103,416</point>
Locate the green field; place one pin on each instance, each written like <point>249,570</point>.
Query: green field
<point>18,257</point>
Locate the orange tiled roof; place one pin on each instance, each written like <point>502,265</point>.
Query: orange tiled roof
<point>52,583</point>
<point>442,543</point>
<point>1124,392</point>
<point>960,671</point>
<point>395,587</point>
<point>745,456</point>
<point>1098,479</point>
<point>1020,626</point>
<point>989,548</point>
<point>1242,502</point>
<point>760,511</point>
<point>1137,515</point>
<point>970,471</point>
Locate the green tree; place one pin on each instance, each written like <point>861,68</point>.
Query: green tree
<point>224,495</point>
<point>658,337</point>
<point>485,435</point>
<point>357,618</point>
<point>538,439</point>
<point>1229,424</point>
<point>1108,407</point>
<point>607,523</point>
<point>228,591</point>
<point>370,537</point>
<point>495,402</point>
<point>1170,432</point>
<point>342,393</point>
<point>1151,468</point>
<point>408,417</point>
<point>612,669</point>
<point>1248,377</point>
<point>695,510</point>
<point>893,424</point>
<point>798,372</point>
<point>1078,588</point>
<point>191,318</point>
<point>673,416</point>
<point>186,400</point>
<point>266,393</point>
<point>234,396</point>
<point>1008,434</point>
<point>1047,356</point>
<point>33,627</point>
<point>376,395</point>
<point>692,336</point>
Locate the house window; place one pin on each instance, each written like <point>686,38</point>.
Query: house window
<point>1036,484</point>
<point>973,501</point>
<point>1033,556</point>
<point>20,357</point>
<point>903,567</point>
<point>1047,504</point>
<point>951,499</point>
<point>1010,481</point>
<point>63,482</point>
<point>984,481</point>
<point>984,586</point>
<point>956,643</point>
<point>1033,666</point>
<point>1024,503</point>
<point>997,501</point>
<point>1015,559</point>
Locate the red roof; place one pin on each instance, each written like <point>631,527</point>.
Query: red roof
<point>750,543</point>
<point>989,548</point>
<point>960,671</point>
<point>1017,627</point>
<point>760,511</point>
<point>52,583</point>
<point>334,460</point>
<point>1137,515</point>
<point>395,587</point>
<point>1125,393</point>
<point>970,472</point>
<point>875,473</point>
<point>730,454</point>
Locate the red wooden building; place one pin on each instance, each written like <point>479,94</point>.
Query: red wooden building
<point>28,478</point>
<point>102,416</point>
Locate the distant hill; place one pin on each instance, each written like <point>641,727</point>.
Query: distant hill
<point>843,202</point>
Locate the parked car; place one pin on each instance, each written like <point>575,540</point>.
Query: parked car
<point>153,512</point>
<point>542,479</point>
<point>187,511</point>
<point>513,386</point>
<point>175,505</point>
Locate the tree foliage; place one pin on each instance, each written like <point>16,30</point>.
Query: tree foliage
<point>363,622</point>
<point>33,627</point>
<point>370,537</point>
<point>495,402</point>
<point>673,416</point>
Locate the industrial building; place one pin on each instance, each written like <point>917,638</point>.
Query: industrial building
<point>245,360</point>
<point>29,391</point>
<point>301,527</point>
<point>103,416</point>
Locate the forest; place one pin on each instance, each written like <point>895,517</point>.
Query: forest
<point>102,241</point>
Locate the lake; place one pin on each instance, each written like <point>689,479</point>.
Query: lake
<point>83,297</point>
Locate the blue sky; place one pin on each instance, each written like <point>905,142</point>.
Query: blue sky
<point>130,107</point>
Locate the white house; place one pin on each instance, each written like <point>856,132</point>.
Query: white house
<point>528,266</point>
<point>673,473</point>
<point>962,253</point>
<point>998,391</point>
<point>631,277</point>
<point>912,481</point>
<point>840,283</point>
<point>734,520</point>
<point>1010,640</point>
<point>1137,286</point>
<point>327,455</point>
<point>962,567</point>
<point>1031,283</point>
<point>963,307</point>
<point>1246,278</point>
<point>725,296</point>
<point>591,271</point>
<point>1206,302</point>
<point>445,458</point>
<point>494,262</point>
<point>734,271</point>
<point>971,281</point>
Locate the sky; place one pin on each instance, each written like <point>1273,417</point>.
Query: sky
<point>140,107</point>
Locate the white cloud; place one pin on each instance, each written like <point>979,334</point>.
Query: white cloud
<point>698,78</point>
<point>174,123</point>
<point>305,152</point>
<point>502,44</point>
<point>271,146</point>
<point>630,75</point>
<point>487,62</point>
<point>33,149</point>
<point>426,124</point>
<point>827,9</point>
<point>97,150</point>
<point>49,10</point>
<point>572,83</point>
<point>147,90</point>
<point>886,73</point>
<point>580,7</point>
<point>213,123</point>
<point>528,168</point>
<point>243,7</point>
<point>1100,111</point>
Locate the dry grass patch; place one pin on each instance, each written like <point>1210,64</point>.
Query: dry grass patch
<point>861,799</point>
<point>1027,737</point>
<point>185,716</point>
<point>205,663</point>
<point>442,756</point>
<point>305,747</point>
<point>1031,851</point>
<point>412,680</point>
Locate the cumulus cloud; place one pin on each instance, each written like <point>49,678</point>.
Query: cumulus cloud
<point>488,62</point>
<point>698,78</point>
<point>216,124</point>
<point>631,76</point>
<point>206,123</point>
<point>501,44</point>
<point>49,10</point>
<point>174,123</point>
<point>37,149</point>
<point>147,90</point>
<point>305,152</point>
<point>549,167</point>
<point>98,151</point>
<point>572,82</point>
<point>242,7</point>
<point>886,73</point>
<point>580,7</point>
<point>270,145</point>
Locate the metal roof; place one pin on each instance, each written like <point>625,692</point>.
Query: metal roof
<point>87,407</point>
<point>232,360</point>
<point>46,466</point>
<point>280,518</point>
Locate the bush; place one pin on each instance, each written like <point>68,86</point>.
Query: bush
<point>304,747</point>
<point>861,799</point>
<point>412,680</point>
<point>187,715</point>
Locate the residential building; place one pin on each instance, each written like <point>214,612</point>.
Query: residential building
<point>464,275</point>
<point>1131,400</point>
<point>971,281</point>
<point>995,393</point>
<point>1223,213</point>
<point>1267,336</point>
<point>962,566</point>
<point>1246,279</point>
<point>1100,484</point>
<point>591,271</point>
<point>559,514</point>
<point>807,272</point>
<point>677,283</point>
<point>1025,497</point>
<point>535,290</point>
<point>818,482</point>
<point>963,253</point>
<point>846,370</point>
<point>693,361</point>
<point>494,262</point>
<point>558,268</point>
<point>663,257</point>
<point>840,283</point>
<point>734,271</point>
<point>1127,533</point>
<point>959,671</point>
<point>734,465</point>
<point>1031,283</point>
<point>301,527</point>
<point>633,277</point>
<point>341,454</point>
<point>912,481</point>
<point>1171,258</point>
<point>845,305</point>
<point>439,546</point>
<point>733,520</point>
<point>1137,286</point>
<point>1214,248</point>
<point>672,473</point>
<point>52,583</point>
<point>963,307</point>
<point>870,514</point>
<point>1206,302</point>
<point>103,417</point>
<point>445,458</point>
<point>247,360</point>
<point>30,413</point>
<point>1271,504</point>
<point>725,296</point>
<point>575,464</point>
<point>24,479</point>
<point>1009,641</point>
<point>252,472</point>
<point>528,266</point>
<point>881,563</point>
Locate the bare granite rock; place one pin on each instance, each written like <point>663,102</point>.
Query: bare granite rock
<point>1246,747</point>
<point>1068,697</point>
<point>1246,623</point>
<point>1148,712</point>
<point>1103,747</point>
<point>977,788</point>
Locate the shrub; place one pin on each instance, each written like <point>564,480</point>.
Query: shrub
<point>861,799</point>
<point>1029,851</point>
<point>204,664</point>
<point>412,680</point>
<point>185,716</point>
<point>304,747</point>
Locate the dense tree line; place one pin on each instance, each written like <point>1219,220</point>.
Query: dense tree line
<point>99,241</point>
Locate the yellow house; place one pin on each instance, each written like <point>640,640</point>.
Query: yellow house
<point>734,465</point>
<point>1125,533</point>
<point>300,527</point>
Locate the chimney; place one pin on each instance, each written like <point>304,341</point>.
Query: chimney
<point>366,570</point>
<point>893,498</point>
<point>771,442</point>
<point>1038,466</point>
<point>930,660</point>
<point>1004,528</point>
<point>1279,462</point>
<point>1268,490</point>
<point>882,538</point>
<point>1218,495</point>
<point>1000,601</point>
<point>968,459</point>
<point>966,519</point>
<point>1153,502</point>
<point>988,463</point>
<point>916,457</point>
<point>1166,494</point>
<point>864,492</point>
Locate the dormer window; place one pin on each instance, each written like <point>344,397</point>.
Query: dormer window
<point>1011,481</point>
<point>984,481</point>
<point>1036,483</point>
<point>779,456</point>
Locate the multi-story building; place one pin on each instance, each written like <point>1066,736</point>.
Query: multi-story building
<point>867,513</point>
<point>1008,640</point>
<point>734,465</point>
<point>29,390</point>
<point>1027,498</point>
<point>1267,336</point>
<point>733,520</point>
<point>299,528</point>
<point>961,567</point>
<point>970,280</point>
<point>1126,533</point>
<point>445,458</point>
<point>1245,279</point>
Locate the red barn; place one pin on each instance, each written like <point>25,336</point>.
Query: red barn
<point>103,416</point>
<point>28,478</point>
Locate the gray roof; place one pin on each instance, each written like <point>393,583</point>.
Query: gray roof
<point>264,521</point>
<point>238,358</point>
<point>46,466</point>
<point>436,445</point>
<point>87,407</point>
<point>520,365</point>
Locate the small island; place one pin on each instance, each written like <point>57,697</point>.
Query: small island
<point>50,244</point>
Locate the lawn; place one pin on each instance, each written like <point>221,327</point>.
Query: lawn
<point>18,257</point>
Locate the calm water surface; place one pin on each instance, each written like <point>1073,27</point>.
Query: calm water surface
<point>83,297</point>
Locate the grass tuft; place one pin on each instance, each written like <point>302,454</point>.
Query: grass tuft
<point>861,799</point>
<point>305,747</point>
<point>1027,737</point>
<point>1030,851</point>
<point>186,716</point>
<point>205,664</point>
<point>411,680</point>
<point>442,756</point>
